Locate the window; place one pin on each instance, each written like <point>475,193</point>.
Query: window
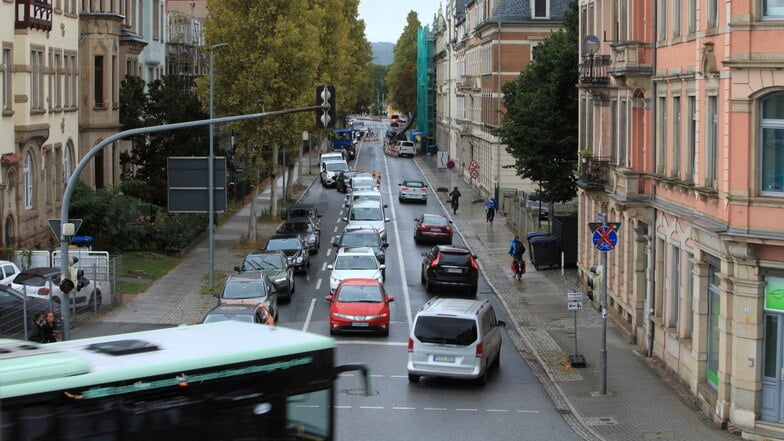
<point>676,18</point>
<point>36,79</point>
<point>676,136</point>
<point>614,131</point>
<point>712,141</point>
<point>98,80</point>
<point>689,296</point>
<point>156,25</point>
<point>540,8</point>
<point>675,287</point>
<point>662,19</point>
<point>692,17</point>
<point>620,15</point>
<point>56,81</point>
<point>713,13</point>
<point>773,8</point>
<point>661,161</point>
<point>27,180</point>
<point>623,125</point>
<point>5,71</point>
<point>68,157</point>
<point>714,311</point>
<point>691,141</point>
<point>772,145</point>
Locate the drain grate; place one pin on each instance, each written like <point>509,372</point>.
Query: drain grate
<point>600,421</point>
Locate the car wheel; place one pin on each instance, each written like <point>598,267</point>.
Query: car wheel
<point>308,264</point>
<point>385,333</point>
<point>291,291</point>
<point>332,332</point>
<point>413,378</point>
<point>497,361</point>
<point>422,277</point>
<point>482,380</point>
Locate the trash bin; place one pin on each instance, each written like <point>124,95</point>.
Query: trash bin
<point>529,236</point>
<point>432,149</point>
<point>544,251</point>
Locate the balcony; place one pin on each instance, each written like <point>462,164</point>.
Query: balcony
<point>593,72</point>
<point>631,60</point>
<point>34,14</point>
<point>594,173</point>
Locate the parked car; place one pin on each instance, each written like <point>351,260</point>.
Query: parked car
<point>362,236</point>
<point>293,247</point>
<point>305,228</point>
<point>368,213</point>
<point>330,170</point>
<point>44,283</point>
<point>353,263</point>
<point>406,148</point>
<point>412,189</point>
<point>275,266</point>
<point>16,312</point>
<point>241,312</point>
<point>303,210</point>
<point>359,305</point>
<point>450,266</point>
<point>250,288</point>
<point>8,271</point>
<point>455,338</point>
<point>433,228</point>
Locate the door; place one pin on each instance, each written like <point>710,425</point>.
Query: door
<point>772,406</point>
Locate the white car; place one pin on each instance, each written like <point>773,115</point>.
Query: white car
<point>44,283</point>
<point>355,263</point>
<point>412,190</point>
<point>330,171</point>
<point>363,195</point>
<point>369,213</point>
<point>406,148</point>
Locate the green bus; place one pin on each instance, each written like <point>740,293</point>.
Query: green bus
<point>216,381</point>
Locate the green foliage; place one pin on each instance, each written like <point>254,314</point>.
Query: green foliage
<point>540,126</point>
<point>401,78</point>
<point>161,102</point>
<point>173,231</point>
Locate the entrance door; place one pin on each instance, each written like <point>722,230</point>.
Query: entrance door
<point>772,408</point>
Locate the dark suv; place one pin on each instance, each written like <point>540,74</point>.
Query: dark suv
<point>303,210</point>
<point>293,247</point>
<point>450,266</point>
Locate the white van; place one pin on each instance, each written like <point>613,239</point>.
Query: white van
<point>333,156</point>
<point>455,338</point>
<point>330,171</point>
<point>406,148</point>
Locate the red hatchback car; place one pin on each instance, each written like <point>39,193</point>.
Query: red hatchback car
<point>359,305</point>
<point>433,228</point>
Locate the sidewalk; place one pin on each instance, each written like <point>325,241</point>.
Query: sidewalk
<point>640,404</point>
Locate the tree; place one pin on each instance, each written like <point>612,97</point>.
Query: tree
<point>402,75</point>
<point>379,85</point>
<point>164,101</point>
<point>540,126</point>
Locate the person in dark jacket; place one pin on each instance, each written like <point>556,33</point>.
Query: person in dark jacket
<point>517,249</point>
<point>455,199</point>
<point>36,331</point>
<point>49,331</point>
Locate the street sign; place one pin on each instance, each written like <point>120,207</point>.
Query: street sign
<point>450,164</point>
<point>474,174</point>
<point>443,158</point>
<point>474,165</point>
<point>605,237</point>
<point>574,306</point>
<point>56,227</point>
<point>574,295</point>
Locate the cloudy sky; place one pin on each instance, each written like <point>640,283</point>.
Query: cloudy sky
<point>385,19</point>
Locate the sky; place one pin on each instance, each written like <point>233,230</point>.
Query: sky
<point>385,19</point>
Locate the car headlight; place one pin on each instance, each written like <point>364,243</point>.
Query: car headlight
<point>311,239</point>
<point>299,259</point>
<point>280,280</point>
<point>291,259</point>
<point>334,281</point>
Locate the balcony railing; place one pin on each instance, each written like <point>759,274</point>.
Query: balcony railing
<point>34,14</point>
<point>593,71</point>
<point>594,172</point>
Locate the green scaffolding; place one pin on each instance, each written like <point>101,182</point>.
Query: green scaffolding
<point>423,106</point>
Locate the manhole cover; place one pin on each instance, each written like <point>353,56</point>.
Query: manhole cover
<point>358,392</point>
<point>600,421</point>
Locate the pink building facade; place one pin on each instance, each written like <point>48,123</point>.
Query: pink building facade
<point>682,141</point>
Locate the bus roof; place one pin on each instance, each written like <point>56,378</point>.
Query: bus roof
<point>28,368</point>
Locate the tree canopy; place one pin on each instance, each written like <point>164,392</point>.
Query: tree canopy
<point>402,75</point>
<point>540,126</point>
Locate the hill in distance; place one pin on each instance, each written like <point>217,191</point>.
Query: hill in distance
<point>383,53</point>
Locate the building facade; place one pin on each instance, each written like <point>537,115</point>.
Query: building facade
<point>681,139</point>
<point>479,46</point>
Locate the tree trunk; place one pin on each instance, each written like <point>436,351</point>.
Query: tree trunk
<point>273,211</point>
<point>252,217</point>
<point>290,180</point>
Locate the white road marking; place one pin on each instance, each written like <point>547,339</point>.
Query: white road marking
<point>324,266</point>
<point>403,408</point>
<point>342,407</point>
<point>398,376</point>
<point>404,282</point>
<point>436,408</point>
<point>498,410</point>
<point>318,284</point>
<point>467,410</point>
<point>372,407</point>
<point>329,252</point>
<point>310,313</point>
<point>528,411</point>
<point>335,230</point>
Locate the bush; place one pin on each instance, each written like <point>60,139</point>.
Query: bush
<point>174,231</point>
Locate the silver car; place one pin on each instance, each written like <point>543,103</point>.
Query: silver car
<point>370,213</point>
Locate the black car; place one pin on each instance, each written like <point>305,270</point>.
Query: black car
<point>450,266</point>
<point>341,184</point>
<point>305,228</point>
<point>274,265</point>
<point>293,246</point>
<point>303,210</point>
<point>362,237</point>
<point>16,312</point>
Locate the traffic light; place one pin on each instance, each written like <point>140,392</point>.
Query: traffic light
<point>325,116</point>
<point>69,282</point>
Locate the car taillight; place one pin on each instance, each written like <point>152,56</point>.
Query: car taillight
<point>474,264</point>
<point>434,263</point>
<point>43,291</point>
<point>447,229</point>
<point>424,190</point>
<point>404,188</point>
<point>479,349</point>
<point>410,344</point>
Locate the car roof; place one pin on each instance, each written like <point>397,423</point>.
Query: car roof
<point>303,206</point>
<point>452,306</point>
<point>360,229</point>
<point>367,203</point>
<point>236,308</point>
<point>257,252</point>
<point>41,270</point>
<point>345,251</point>
<point>247,276</point>
<point>286,236</point>
<point>452,250</point>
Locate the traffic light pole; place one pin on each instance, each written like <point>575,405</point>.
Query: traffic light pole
<point>74,179</point>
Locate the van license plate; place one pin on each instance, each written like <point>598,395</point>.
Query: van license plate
<point>444,358</point>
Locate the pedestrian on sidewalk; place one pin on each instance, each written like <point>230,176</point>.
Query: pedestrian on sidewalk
<point>490,208</point>
<point>517,249</point>
<point>49,331</point>
<point>455,195</point>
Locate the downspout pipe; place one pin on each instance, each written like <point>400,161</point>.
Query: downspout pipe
<point>652,227</point>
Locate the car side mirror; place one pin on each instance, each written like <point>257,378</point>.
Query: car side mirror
<point>318,215</point>
<point>500,323</point>
<point>236,268</point>
<point>330,267</point>
<point>390,299</point>
<point>217,296</point>
<point>382,267</point>
<point>386,206</point>
<point>386,219</point>
<point>335,242</point>
<point>474,256</point>
<point>345,219</point>
<point>450,222</point>
<point>329,298</point>
<point>385,245</point>
<point>399,183</point>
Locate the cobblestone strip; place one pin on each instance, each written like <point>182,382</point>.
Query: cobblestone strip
<point>524,337</point>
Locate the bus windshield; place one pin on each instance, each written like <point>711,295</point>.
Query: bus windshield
<point>227,380</point>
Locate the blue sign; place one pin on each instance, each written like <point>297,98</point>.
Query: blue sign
<point>605,237</point>
<point>450,165</point>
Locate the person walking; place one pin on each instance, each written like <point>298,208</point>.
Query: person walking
<point>517,249</point>
<point>490,208</point>
<point>455,195</point>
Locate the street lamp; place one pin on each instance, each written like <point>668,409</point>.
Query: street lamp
<point>210,177</point>
<point>306,138</point>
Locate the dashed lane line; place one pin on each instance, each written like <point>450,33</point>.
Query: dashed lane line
<point>310,313</point>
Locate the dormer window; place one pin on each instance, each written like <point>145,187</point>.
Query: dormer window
<point>540,9</point>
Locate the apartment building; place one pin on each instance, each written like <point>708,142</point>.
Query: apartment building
<point>681,142</point>
<point>480,45</point>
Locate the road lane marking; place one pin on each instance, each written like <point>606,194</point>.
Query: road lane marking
<point>528,411</point>
<point>335,230</point>
<point>342,407</point>
<point>498,410</point>
<point>318,285</point>
<point>324,266</point>
<point>406,296</point>
<point>372,407</point>
<point>310,314</point>
<point>436,408</point>
<point>466,410</point>
<point>403,408</point>
<point>329,252</point>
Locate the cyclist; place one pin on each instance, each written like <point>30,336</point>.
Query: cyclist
<point>517,249</point>
<point>455,195</point>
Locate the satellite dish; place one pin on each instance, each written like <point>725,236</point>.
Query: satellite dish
<point>591,44</point>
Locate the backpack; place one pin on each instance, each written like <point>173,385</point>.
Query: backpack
<point>519,249</point>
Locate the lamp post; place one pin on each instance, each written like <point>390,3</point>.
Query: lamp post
<point>211,171</point>
<point>306,138</point>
